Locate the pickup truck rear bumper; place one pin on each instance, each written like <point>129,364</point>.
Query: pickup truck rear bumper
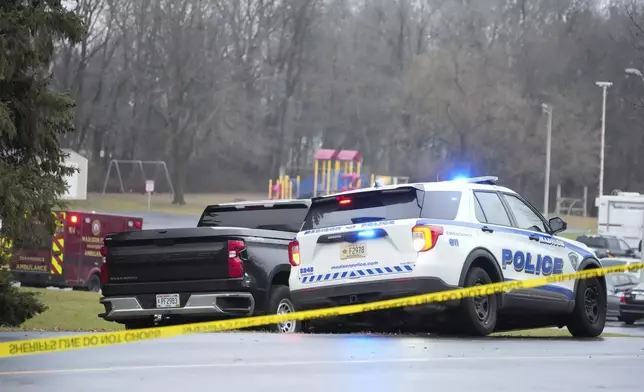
<point>191,305</point>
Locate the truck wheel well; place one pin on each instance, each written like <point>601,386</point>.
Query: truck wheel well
<point>280,279</point>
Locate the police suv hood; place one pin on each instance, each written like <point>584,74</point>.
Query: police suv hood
<point>580,245</point>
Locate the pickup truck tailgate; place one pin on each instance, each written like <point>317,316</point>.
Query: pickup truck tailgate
<point>156,255</point>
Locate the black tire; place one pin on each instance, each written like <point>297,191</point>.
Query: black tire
<point>589,316</point>
<point>478,315</point>
<point>94,284</point>
<point>280,302</point>
<point>627,320</point>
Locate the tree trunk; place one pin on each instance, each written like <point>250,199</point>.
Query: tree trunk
<point>179,173</point>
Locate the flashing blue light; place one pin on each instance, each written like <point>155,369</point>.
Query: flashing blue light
<point>460,178</point>
<point>367,234</point>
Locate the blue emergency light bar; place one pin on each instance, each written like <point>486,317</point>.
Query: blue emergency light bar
<point>487,180</point>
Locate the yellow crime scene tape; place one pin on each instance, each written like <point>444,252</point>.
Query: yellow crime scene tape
<point>55,344</point>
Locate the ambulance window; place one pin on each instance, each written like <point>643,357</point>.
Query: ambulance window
<point>493,208</point>
<point>525,216</point>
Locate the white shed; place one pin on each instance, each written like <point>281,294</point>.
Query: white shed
<point>77,182</point>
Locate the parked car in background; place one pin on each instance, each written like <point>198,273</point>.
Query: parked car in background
<point>631,305</point>
<point>616,261</point>
<point>616,285</point>
<point>607,246</point>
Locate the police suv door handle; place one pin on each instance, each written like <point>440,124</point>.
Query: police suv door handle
<point>487,229</point>
<point>534,237</point>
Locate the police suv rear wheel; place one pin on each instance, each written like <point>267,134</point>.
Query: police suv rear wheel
<point>280,303</point>
<point>589,316</point>
<point>479,314</point>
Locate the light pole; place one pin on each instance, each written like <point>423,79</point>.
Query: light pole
<point>547,109</point>
<point>604,86</point>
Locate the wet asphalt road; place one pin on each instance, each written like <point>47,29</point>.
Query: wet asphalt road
<point>270,362</point>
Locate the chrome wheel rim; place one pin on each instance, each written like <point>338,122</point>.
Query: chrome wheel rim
<point>285,306</point>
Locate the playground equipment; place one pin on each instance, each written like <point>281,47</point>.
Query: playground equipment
<point>388,180</point>
<point>333,171</point>
<point>284,188</point>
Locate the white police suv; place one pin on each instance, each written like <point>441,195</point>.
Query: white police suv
<point>393,241</point>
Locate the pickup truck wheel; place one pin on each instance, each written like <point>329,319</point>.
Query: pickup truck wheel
<point>589,316</point>
<point>478,314</point>
<point>280,303</point>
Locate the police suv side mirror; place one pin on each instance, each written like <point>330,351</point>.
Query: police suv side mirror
<point>557,225</point>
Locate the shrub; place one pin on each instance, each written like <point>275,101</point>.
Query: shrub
<point>16,306</point>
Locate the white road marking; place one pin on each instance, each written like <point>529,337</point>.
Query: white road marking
<point>240,363</point>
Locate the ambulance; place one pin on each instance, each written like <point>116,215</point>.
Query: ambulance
<point>71,257</point>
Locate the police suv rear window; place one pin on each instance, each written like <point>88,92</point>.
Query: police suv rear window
<point>278,217</point>
<point>374,206</point>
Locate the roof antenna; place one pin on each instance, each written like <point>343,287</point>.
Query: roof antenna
<point>377,184</point>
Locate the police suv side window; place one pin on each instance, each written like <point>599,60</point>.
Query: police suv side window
<point>492,208</point>
<point>525,216</point>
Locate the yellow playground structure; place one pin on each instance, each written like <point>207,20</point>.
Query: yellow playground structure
<point>284,188</point>
<point>333,171</point>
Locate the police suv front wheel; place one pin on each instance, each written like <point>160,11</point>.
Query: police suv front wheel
<point>589,316</point>
<point>478,315</point>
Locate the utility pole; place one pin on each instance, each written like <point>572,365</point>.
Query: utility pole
<point>604,86</point>
<point>547,109</point>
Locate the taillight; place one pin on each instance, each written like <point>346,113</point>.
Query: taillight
<point>294,253</point>
<point>138,224</point>
<point>104,270</point>
<point>425,237</point>
<point>235,263</point>
<point>73,219</point>
<point>622,298</point>
<point>343,201</point>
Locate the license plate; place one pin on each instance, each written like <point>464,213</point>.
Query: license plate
<point>353,251</point>
<point>168,301</point>
<point>639,297</point>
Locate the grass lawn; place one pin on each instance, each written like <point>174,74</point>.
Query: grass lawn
<point>68,311</point>
<point>195,203</point>
<point>77,311</point>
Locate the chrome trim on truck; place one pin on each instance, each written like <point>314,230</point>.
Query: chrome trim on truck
<point>126,308</point>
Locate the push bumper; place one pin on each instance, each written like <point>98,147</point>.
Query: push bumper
<point>191,306</point>
<point>356,293</point>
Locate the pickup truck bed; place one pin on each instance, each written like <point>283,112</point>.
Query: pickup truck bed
<point>207,272</point>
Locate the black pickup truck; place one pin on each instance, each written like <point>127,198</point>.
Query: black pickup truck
<point>233,264</point>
